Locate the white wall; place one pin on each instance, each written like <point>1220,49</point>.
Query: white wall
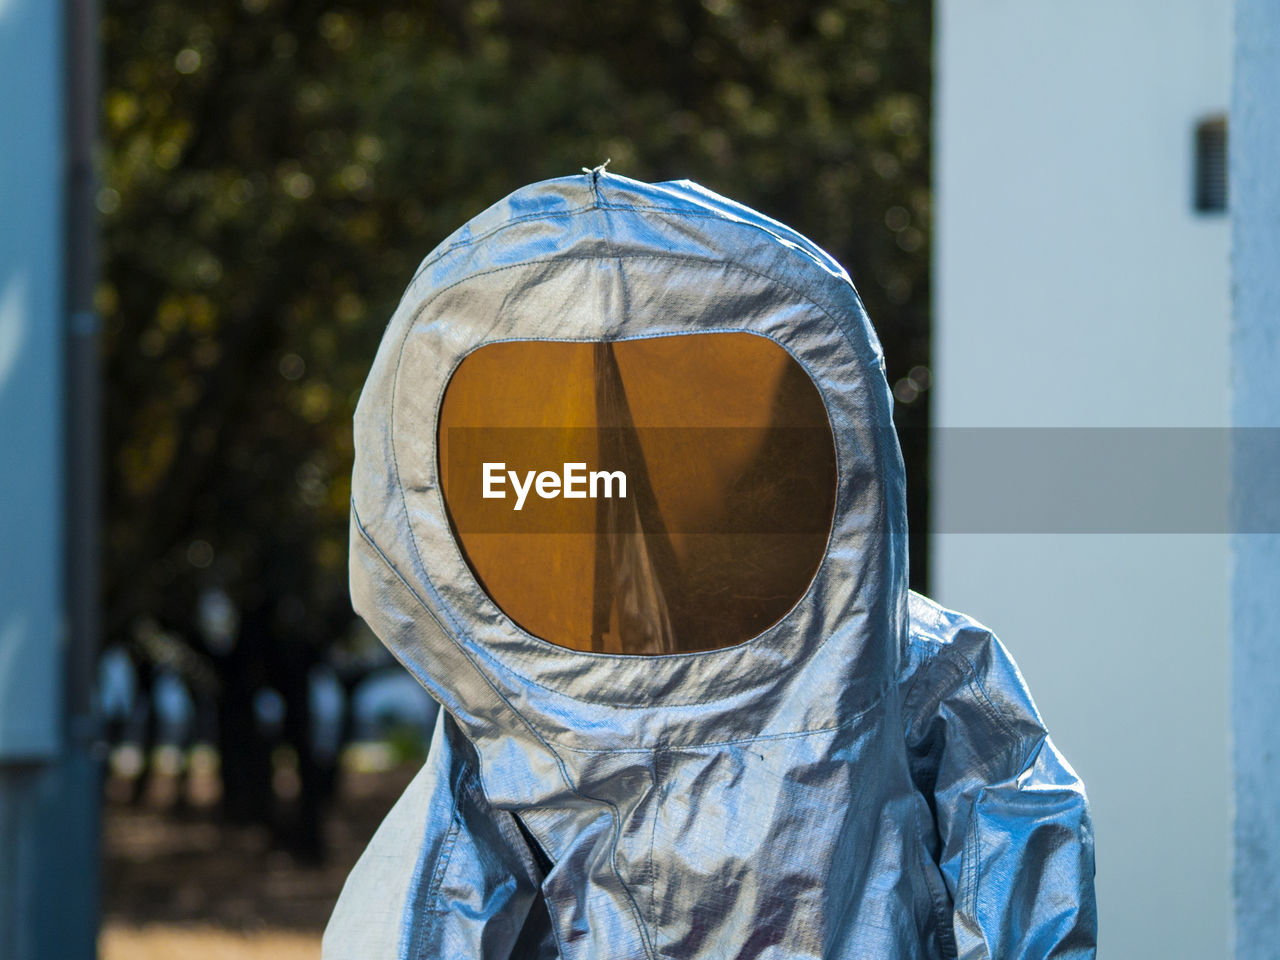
<point>1076,287</point>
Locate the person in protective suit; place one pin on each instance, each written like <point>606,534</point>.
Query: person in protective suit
<point>689,707</point>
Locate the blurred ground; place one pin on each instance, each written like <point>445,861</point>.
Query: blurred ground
<point>178,883</point>
<point>164,943</point>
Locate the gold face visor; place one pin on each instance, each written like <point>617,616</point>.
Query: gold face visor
<point>716,531</point>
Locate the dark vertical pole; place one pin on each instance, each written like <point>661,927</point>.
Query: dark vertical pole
<point>76,877</point>
<point>83,377</point>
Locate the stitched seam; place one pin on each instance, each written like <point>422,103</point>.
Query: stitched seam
<point>993,713</point>
<point>975,859</point>
<point>434,258</point>
<point>432,908</point>
<point>555,923</point>
<point>600,204</point>
<point>442,865</point>
<point>762,738</point>
<point>653,840</point>
<point>796,245</point>
<point>364,534</point>
<point>550,903</point>
<point>411,932</point>
<point>957,669</point>
<point>914,681</point>
<point>942,916</point>
<point>985,703</point>
<point>1036,745</point>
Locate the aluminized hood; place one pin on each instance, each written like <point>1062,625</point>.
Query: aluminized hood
<point>816,791</point>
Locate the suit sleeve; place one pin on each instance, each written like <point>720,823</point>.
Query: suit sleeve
<point>1013,835</point>
<point>445,876</point>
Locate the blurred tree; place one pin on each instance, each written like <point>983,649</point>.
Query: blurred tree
<point>274,171</point>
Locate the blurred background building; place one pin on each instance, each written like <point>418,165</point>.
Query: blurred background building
<point>175,637</point>
<point>1081,280</point>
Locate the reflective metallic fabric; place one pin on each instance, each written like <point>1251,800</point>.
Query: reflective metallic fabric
<point>868,778</point>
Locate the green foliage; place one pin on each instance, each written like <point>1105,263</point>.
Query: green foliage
<point>275,170</point>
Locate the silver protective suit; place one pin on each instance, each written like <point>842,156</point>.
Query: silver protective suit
<point>868,778</point>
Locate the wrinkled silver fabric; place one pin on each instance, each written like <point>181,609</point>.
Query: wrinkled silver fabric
<point>868,778</point>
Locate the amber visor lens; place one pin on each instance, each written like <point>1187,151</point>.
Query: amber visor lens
<point>717,529</point>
